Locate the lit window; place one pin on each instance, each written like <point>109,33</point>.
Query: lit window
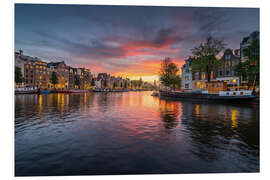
<point>186,78</point>
<point>203,75</point>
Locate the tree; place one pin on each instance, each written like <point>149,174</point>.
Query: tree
<point>54,79</point>
<point>177,82</point>
<point>134,84</point>
<point>250,69</point>
<point>140,83</point>
<point>169,73</point>
<point>240,71</point>
<point>105,83</point>
<point>205,56</point>
<point>114,85</point>
<point>18,75</point>
<point>93,82</point>
<point>253,63</point>
<point>155,84</point>
<point>77,81</point>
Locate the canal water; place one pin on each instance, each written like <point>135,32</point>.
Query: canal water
<point>132,133</point>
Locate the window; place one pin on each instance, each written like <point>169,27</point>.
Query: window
<point>220,73</point>
<point>203,75</point>
<point>186,86</point>
<point>228,57</point>
<point>227,72</point>
<point>186,78</point>
<point>187,71</point>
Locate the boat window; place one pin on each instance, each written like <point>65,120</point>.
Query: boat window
<point>227,94</point>
<point>241,93</point>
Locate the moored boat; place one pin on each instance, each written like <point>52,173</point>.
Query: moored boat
<point>63,91</point>
<point>222,96</point>
<point>45,92</point>
<point>78,91</point>
<point>155,93</point>
<point>26,90</point>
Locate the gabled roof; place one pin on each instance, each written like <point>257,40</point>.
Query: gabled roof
<point>54,64</point>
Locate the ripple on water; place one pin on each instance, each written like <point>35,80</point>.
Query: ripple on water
<point>114,133</point>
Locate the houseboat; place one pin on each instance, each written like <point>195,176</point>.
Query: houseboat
<point>222,96</point>
<point>26,90</point>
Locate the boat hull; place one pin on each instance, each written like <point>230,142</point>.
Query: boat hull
<point>45,92</point>
<point>206,97</point>
<point>27,92</point>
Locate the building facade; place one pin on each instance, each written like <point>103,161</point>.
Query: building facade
<point>187,75</point>
<point>19,62</point>
<point>246,42</point>
<point>228,62</point>
<point>62,72</point>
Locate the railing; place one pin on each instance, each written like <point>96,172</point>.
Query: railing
<point>235,93</point>
<point>25,89</point>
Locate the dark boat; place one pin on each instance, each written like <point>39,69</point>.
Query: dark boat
<point>26,90</point>
<point>198,96</point>
<point>35,91</point>
<point>45,92</point>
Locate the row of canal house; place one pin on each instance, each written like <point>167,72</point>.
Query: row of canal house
<point>37,73</point>
<point>104,80</point>
<point>223,77</point>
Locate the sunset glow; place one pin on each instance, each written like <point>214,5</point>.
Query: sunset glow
<point>124,41</point>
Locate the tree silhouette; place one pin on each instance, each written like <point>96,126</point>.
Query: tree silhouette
<point>54,79</point>
<point>18,75</point>
<point>205,56</point>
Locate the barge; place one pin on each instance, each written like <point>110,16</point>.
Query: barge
<point>222,96</point>
<point>26,90</point>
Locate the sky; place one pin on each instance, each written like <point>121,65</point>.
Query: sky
<point>127,41</point>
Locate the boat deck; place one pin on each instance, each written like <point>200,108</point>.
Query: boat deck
<point>206,97</point>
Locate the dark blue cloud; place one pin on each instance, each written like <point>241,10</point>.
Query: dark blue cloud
<point>101,35</point>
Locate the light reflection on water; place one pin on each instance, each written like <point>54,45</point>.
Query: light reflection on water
<point>132,133</point>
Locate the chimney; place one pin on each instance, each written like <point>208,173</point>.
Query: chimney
<point>20,52</point>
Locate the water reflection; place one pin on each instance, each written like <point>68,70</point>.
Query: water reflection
<point>132,132</point>
<point>170,113</point>
<point>214,130</point>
